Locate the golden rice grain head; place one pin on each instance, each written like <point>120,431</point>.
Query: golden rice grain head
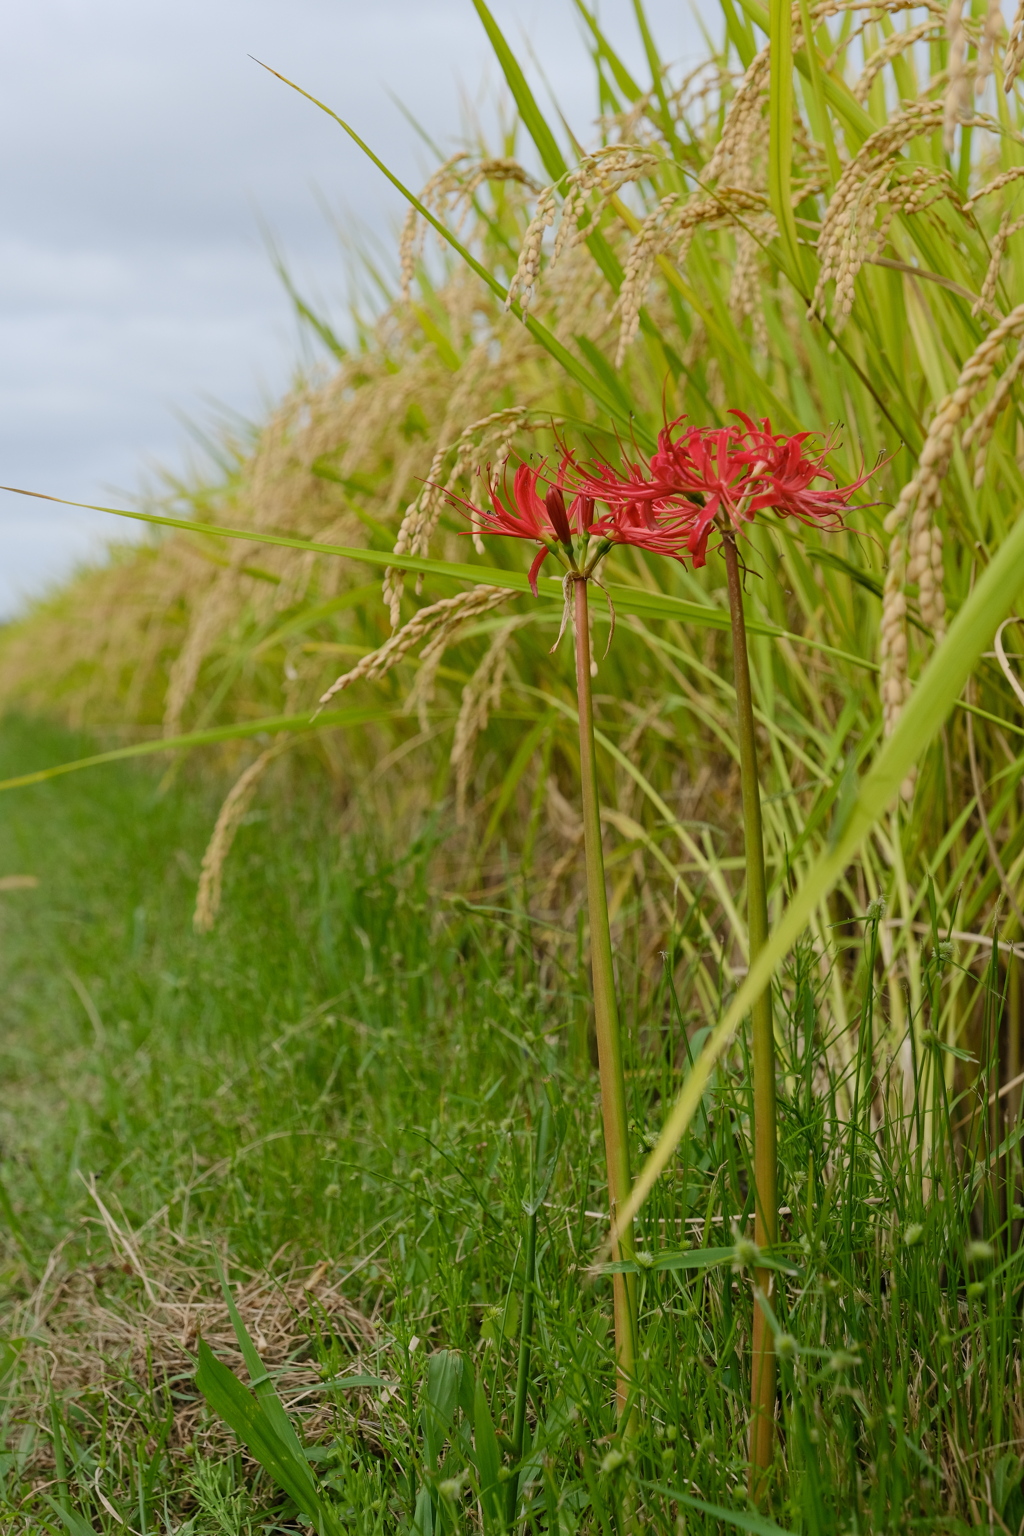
<point>746,289</point>
<point>1014,56</point>
<point>421,695</point>
<point>992,31</point>
<point>528,267</point>
<point>489,437</point>
<point>439,619</point>
<point>957,100</point>
<point>596,179</point>
<point>979,433</point>
<point>411,240</point>
<point>480,696</point>
<point>646,245</point>
<point>236,804</point>
<point>916,554</point>
<point>735,154</point>
<point>995,185</point>
<point>847,235</point>
<point>1008,227</point>
<point>451,189</point>
<point>891,49</point>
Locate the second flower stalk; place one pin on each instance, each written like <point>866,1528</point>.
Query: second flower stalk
<point>606,1018</point>
<point>762,1384</point>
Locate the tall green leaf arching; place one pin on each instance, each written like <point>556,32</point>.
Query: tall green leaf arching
<point>560,353</point>
<point>532,117</point>
<point>632,599</point>
<point>780,135</point>
<point>289,1470</point>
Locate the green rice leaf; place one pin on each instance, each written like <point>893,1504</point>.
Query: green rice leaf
<point>71,1522</point>
<point>780,137</point>
<point>533,118</point>
<point>270,725</point>
<point>620,74</point>
<point>537,127</point>
<point>743,1520</point>
<point>487,1455</point>
<point>259,1378</point>
<point>687,1258</point>
<point>627,600</point>
<point>932,701</point>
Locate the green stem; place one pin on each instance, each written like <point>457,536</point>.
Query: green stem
<point>762,1386</point>
<point>609,1044</point>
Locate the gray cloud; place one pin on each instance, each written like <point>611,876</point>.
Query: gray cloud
<point>143,147</point>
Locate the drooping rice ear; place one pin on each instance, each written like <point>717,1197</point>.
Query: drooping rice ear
<point>238,800</point>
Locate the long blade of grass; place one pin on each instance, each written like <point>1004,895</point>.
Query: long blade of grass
<point>533,118</point>
<point>539,332</point>
<point>814,76</point>
<point>236,1405</point>
<point>620,74</point>
<point>657,70</point>
<point>757,1525</point>
<point>689,1258</point>
<point>931,702</point>
<point>73,1523</point>
<point>260,1381</point>
<point>270,725</point>
<point>537,127</point>
<point>780,134</point>
<point>632,600</point>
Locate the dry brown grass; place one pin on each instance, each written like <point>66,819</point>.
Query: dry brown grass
<point>114,1332</point>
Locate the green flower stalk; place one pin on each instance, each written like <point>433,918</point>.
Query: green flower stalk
<point>606,1014</point>
<point>766,1234</point>
<point>579,543</point>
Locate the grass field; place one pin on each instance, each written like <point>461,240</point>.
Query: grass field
<point>335,1097</point>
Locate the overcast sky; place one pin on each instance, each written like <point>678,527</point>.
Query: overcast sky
<point>144,150</point>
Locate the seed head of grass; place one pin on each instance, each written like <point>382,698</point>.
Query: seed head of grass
<point>786,1347</point>
<point>745,1254</point>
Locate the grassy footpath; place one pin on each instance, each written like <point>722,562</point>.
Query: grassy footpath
<point>335,1096</point>
<point>235,1090</point>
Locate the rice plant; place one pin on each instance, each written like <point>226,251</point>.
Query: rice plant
<point>817,227</point>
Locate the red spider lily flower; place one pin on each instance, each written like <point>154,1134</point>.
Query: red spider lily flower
<point>790,467</point>
<point>636,514</point>
<point>545,521</point>
<point>644,525</point>
<point>548,521</point>
<point>705,474</point>
<point>712,464</point>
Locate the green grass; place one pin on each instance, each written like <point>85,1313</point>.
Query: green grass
<point>349,1069</point>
